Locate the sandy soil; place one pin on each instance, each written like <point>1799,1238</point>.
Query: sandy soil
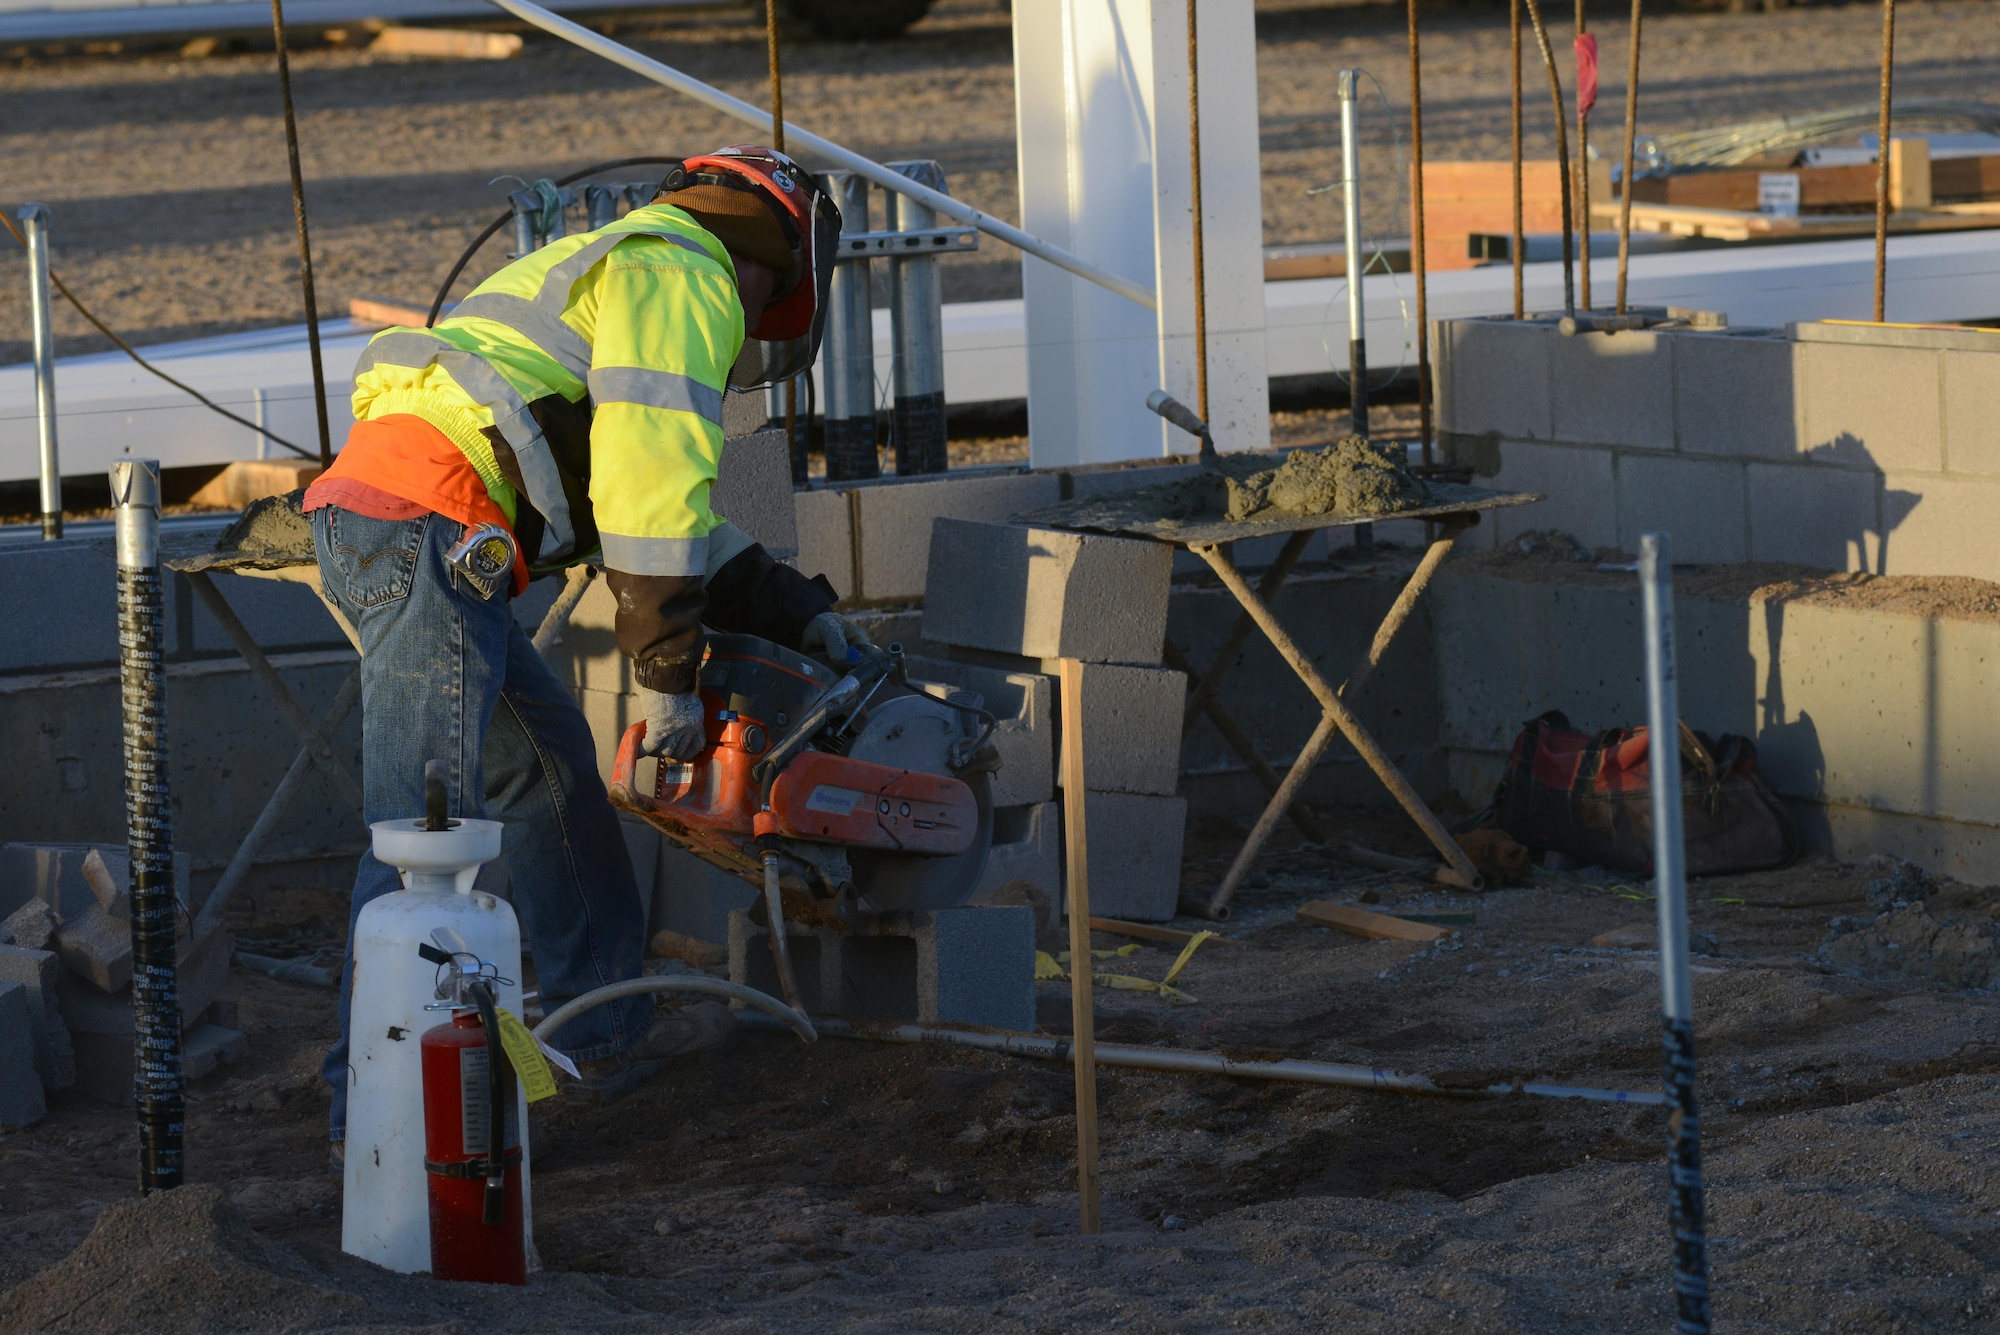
<point>854,1187</point>
<point>172,209</point>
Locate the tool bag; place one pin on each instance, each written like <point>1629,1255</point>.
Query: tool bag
<point>1591,798</point>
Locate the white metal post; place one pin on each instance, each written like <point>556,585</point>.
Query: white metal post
<point>34,219</point>
<point>1101,101</point>
<point>1676,977</point>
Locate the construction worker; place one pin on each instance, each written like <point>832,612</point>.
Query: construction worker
<point>571,410</point>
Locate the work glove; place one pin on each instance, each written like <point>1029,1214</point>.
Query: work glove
<point>676,725</point>
<point>829,635</point>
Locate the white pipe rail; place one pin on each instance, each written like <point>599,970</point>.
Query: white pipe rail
<point>797,139</point>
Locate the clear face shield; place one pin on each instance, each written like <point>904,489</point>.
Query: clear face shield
<point>766,362</point>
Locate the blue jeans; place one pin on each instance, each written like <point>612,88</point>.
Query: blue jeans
<point>447,675</point>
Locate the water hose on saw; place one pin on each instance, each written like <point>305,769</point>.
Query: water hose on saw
<point>676,982</point>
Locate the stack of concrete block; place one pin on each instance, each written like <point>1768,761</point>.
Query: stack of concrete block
<point>66,916</point>
<point>1014,600</point>
<point>972,965</point>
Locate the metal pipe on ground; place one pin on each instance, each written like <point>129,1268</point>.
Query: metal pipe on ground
<point>916,325</point>
<point>1133,1057</point>
<point>159,1091</point>
<point>1663,719</point>
<point>804,142</point>
<point>848,347</point>
<point>34,220</point>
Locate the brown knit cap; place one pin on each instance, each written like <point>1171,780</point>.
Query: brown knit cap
<point>740,220</point>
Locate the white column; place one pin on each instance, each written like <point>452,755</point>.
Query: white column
<point>1101,105</point>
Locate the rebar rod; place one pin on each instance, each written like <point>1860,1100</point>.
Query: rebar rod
<point>1631,142</point>
<point>1882,164</point>
<point>669,77</point>
<point>1519,241</point>
<point>1562,156</point>
<point>1419,271</point>
<point>1690,1232</point>
<point>35,217</point>
<point>1582,172</point>
<point>777,79</point>
<point>305,241</point>
<point>158,1090</point>
<point>1200,251</point>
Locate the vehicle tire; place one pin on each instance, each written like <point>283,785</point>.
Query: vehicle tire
<point>854,20</point>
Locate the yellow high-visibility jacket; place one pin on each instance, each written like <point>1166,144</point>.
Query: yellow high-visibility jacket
<point>584,384</point>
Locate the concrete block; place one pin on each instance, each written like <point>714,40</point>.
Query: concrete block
<point>1131,728</point>
<point>973,965</point>
<point>1699,502</point>
<point>693,897</point>
<point>753,488</point>
<point>1733,395</point>
<point>895,523</point>
<point>1577,481</point>
<point>826,538</point>
<point>21,1100</point>
<point>1493,377</point>
<point>609,713</point>
<point>202,972</point>
<point>1932,525</point>
<point>1047,593</point>
<point>54,873</point>
<point>1614,389</point>
<point>743,413</point>
<point>78,575</point>
<point>1103,480</point>
<point>1972,412</point>
<point>1871,407</point>
<point>1135,855</point>
<point>1025,737</point>
<point>207,1046</point>
<point>37,971</point>
<point>97,948</point>
<point>281,617</point>
<point>1027,851</point>
<point>32,925</point>
<point>1826,517</point>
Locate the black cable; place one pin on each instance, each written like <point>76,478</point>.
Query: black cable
<point>444,291</point>
<point>305,243</point>
<point>133,353</point>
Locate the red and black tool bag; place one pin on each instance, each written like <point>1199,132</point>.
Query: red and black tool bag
<point>1591,798</point>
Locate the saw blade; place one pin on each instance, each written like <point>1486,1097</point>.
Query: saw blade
<point>915,732</point>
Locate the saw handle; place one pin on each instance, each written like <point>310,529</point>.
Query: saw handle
<point>625,765</point>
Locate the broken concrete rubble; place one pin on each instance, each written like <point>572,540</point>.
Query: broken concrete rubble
<point>38,971</point>
<point>97,947</point>
<point>29,926</point>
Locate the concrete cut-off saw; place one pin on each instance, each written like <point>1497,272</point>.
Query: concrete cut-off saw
<point>839,795</point>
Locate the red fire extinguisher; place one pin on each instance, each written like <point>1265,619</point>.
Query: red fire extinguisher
<point>474,1175</point>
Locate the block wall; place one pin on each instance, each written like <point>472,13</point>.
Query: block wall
<point>1824,445</point>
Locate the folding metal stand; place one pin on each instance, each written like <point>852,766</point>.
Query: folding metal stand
<point>315,735</point>
<point>1453,508</point>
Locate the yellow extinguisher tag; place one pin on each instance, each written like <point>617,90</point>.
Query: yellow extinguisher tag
<point>537,1080</point>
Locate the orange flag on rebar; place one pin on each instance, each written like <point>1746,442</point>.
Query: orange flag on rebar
<point>1586,72</point>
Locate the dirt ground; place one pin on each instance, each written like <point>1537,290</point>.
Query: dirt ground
<point>1849,1103</point>
<point>172,207</point>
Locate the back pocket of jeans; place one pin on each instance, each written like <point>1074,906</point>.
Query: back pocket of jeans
<point>376,558</point>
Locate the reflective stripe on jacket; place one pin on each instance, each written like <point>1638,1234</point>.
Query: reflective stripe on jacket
<point>584,384</point>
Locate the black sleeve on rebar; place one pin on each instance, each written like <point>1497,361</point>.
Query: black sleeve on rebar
<point>658,627</point>
<point>754,594</point>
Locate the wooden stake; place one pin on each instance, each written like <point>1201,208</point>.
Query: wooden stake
<point>1076,877</point>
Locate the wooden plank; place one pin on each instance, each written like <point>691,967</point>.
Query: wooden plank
<point>1076,876</point>
<point>1965,178</point>
<point>1146,931</point>
<point>1362,922</point>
